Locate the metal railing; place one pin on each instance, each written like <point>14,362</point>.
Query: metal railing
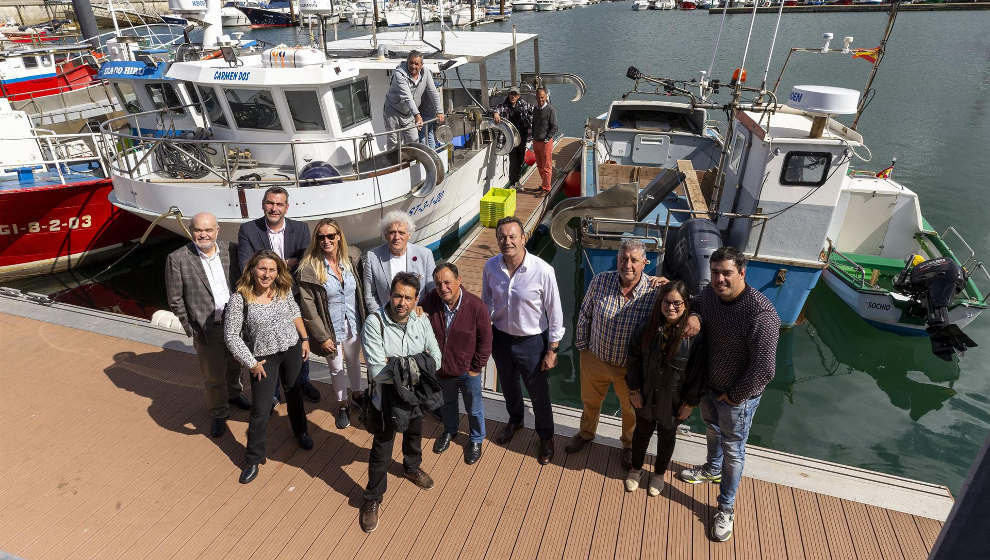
<point>60,150</point>
<point>862,272</point>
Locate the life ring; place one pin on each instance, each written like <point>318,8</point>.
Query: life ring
<point>510,137</point>
<point>432,167</point>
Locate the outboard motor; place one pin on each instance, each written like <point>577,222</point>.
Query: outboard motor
<point>689,250</point>
<point>934,283</point>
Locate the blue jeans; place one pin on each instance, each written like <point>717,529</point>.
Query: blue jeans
<point>469,386</point>
<point>426,135</point>
<point>728,429</point>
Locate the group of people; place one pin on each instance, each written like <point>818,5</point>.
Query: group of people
<point>283,293</point>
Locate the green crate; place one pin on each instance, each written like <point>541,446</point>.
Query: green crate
<point>497,204</point>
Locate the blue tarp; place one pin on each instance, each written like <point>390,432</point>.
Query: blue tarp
<point>131,70</point>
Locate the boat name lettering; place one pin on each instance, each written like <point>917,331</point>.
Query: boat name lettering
<point>53,225</point>
<point>231,75</point>
<point>423,206</point>
<point>877,305</point>
<point>122,70</point>
<point>796,96</point>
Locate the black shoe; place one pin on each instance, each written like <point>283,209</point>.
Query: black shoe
<point>312,394</point>
<point>218,427</point>
<point>576,444</point>
<point>442,443</point>
<point>472,452</point>
<point>546,451</point>
<point>419,478</point>
<point>369,516</point>
<point>627,458</point>
<point>504,435</point>
<point>241,402</point>
<point>343,417</point>
<point>305,441</point>
<point>248,474</point>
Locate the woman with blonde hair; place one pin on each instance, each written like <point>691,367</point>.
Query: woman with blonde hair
<point>265,332</point>
<point>330,297</point>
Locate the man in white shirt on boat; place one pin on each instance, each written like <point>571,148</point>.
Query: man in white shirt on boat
<point>410,83</point>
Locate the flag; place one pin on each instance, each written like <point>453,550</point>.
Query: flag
<point>869,55</point>
<point>885,174</point>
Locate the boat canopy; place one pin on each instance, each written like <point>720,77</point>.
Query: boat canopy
<point>475,46</point>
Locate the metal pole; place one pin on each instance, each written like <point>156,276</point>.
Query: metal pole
<point>483,76</point>
<point>773,42</point>
<point>512,58</point>
<point>536,56</point>
<point>881,49</point>
<point>87,22</point>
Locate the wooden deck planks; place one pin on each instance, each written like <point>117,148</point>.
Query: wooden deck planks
<point>654,544</point>
<point>812,527</point>
<point>537,515</point>
<point>768,520</point>
<point>837,531</point>
<point>562,510</point>
<point>884,531</point>
<point>680,527</point>
<point>578,544</point>
<point>632,517</point>
<point>861,530</point>
<point>509,524</point>
<point>605,537</point>
<point>929,529</point>
<point>794,538</point>
<point>745,527</point>
<point>907,535</point>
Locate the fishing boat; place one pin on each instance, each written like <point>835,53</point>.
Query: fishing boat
<point>687,5</point>
<point>310,120</point>
<point>44,71</point>
<point>501,8</point>
<point>524,5</point>
<point>230,16</point>
<point>641,5</point>
<point>45,32</point>
<point>546,5</point>
<point>276,13</point>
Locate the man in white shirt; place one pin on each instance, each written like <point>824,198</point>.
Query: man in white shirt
<point>198,280</point>
<point>520,290</point>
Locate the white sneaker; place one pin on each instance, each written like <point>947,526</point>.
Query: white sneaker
<point>656,484</point>
<point>632,479</point>
<point>722,526</point>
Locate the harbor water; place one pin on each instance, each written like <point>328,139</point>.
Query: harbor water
<point>844,391</point>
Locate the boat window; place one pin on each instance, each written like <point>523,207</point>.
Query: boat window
<point>46,60</point>
<point>253,108</point>
<point>352,103</point>
<point>30,62</point>
<point>163,96</point>
<point>805,168</point>
<point>213,108</point>
<point>194,98</point>
<point>304,106</point>
<point>127,96</point>
<point>738,145</point>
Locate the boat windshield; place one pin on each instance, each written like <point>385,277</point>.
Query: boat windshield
<point>212,105</point>
<point>253,108</point>
<point>304,106</point>
<point>128,97</point>
<point>164,97</point>
<point>352,103</point>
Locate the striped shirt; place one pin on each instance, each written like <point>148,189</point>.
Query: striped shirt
<point>608,318</point>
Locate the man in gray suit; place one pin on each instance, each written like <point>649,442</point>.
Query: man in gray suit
<point>382,263</point>
<point>198,281</point>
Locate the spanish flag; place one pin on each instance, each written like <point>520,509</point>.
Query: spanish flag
<point>885,174</point>
<point>869,55</point>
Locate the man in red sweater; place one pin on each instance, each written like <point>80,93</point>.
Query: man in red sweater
<point>464,332</point>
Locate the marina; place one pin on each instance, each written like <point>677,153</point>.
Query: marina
<point>873,350</point>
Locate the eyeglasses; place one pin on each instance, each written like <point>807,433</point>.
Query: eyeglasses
<point>330,236</point>
<point>673,304</point>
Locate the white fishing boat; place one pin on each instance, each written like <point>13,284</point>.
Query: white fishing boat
<point>564,4</point>
<point>313,124</point>
<point>524,5</point>
<point>546,5</point>
<point>230,16</point>
<point>641,5</point>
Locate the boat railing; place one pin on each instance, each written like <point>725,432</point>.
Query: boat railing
<point>762,218</point>
<point>833,251</point>
<point>59,151</point>
<point>971,264</point>
<point>96,92</point>
<point>128,149</point>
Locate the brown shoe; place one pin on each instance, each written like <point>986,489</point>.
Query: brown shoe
<point>420,478</point>
<point>576,444</point>
<point>369,516</point>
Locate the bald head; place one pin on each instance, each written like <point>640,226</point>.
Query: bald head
<point>205,231</point>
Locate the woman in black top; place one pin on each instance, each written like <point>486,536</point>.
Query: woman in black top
<point>665,376</point>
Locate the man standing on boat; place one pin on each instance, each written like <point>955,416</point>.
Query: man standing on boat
<point>198,279</point>
<point>544,129</point>
<point>520,290</point>
<point>289,239</point>
<point>410,82</point>
<point>741,330</point>
<point>616,302</point>
<point>519,112</point>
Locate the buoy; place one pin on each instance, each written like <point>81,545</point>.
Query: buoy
<point>530,157</point>
<point>739,75</point>
<point>572,184</point>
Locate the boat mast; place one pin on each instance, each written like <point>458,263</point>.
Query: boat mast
<point>865,98</point>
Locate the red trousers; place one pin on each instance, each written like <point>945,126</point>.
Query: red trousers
<point>544,161</point>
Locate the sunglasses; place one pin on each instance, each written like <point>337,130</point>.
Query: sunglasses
<point>330,236</point>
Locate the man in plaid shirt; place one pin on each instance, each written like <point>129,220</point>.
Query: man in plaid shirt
<point>616,302</point>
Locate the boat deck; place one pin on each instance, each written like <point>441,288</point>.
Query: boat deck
<point>112,461</point>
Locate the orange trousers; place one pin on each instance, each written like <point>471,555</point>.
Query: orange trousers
<point>544,161</point>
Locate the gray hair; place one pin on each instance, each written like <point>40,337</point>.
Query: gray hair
<point>396,216</point>
<point>632,245</point>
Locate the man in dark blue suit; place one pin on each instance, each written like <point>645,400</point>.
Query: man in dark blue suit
<point>288,238</point>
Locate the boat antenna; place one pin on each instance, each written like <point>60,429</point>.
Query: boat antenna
<point>773,43</point>
<point>865,98</point>
<point>718,35</point>
<point>374,24</point>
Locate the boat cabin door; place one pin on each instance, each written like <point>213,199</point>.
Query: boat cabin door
<point>738,196</point>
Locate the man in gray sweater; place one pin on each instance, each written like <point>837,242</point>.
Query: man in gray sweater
<point>410,82</point>
<point>741,329</point>
<point>544,129</point>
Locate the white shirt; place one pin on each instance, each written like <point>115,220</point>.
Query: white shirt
<point>277,239</point>
<point>526,303</point>
<point>396,264</point>
<point>213,268</point>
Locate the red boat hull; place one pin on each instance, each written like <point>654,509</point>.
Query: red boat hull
<point>48,229</point>
<point>687,5</point>
<point>69,77</point>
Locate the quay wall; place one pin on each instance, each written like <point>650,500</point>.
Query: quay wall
<point>954,6</point>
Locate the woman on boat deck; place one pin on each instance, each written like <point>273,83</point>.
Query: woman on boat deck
<point>332,305</point>
<point>665,374</point>
<point>265,332</point>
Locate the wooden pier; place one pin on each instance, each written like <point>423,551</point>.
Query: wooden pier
<point>105,454</point>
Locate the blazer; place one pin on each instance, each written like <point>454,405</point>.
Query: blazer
<point>313,304</point>
<point>378,274</point>
<point>467,345</point>
<point>253,237</point>
<point>187,288</point>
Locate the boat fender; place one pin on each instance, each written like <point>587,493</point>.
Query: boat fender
<point>509,139</point>
<point>432,167</point>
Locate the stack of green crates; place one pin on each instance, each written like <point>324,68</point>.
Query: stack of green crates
<point>497,204</point>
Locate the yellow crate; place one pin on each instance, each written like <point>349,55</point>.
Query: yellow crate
<point>497,204</point>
